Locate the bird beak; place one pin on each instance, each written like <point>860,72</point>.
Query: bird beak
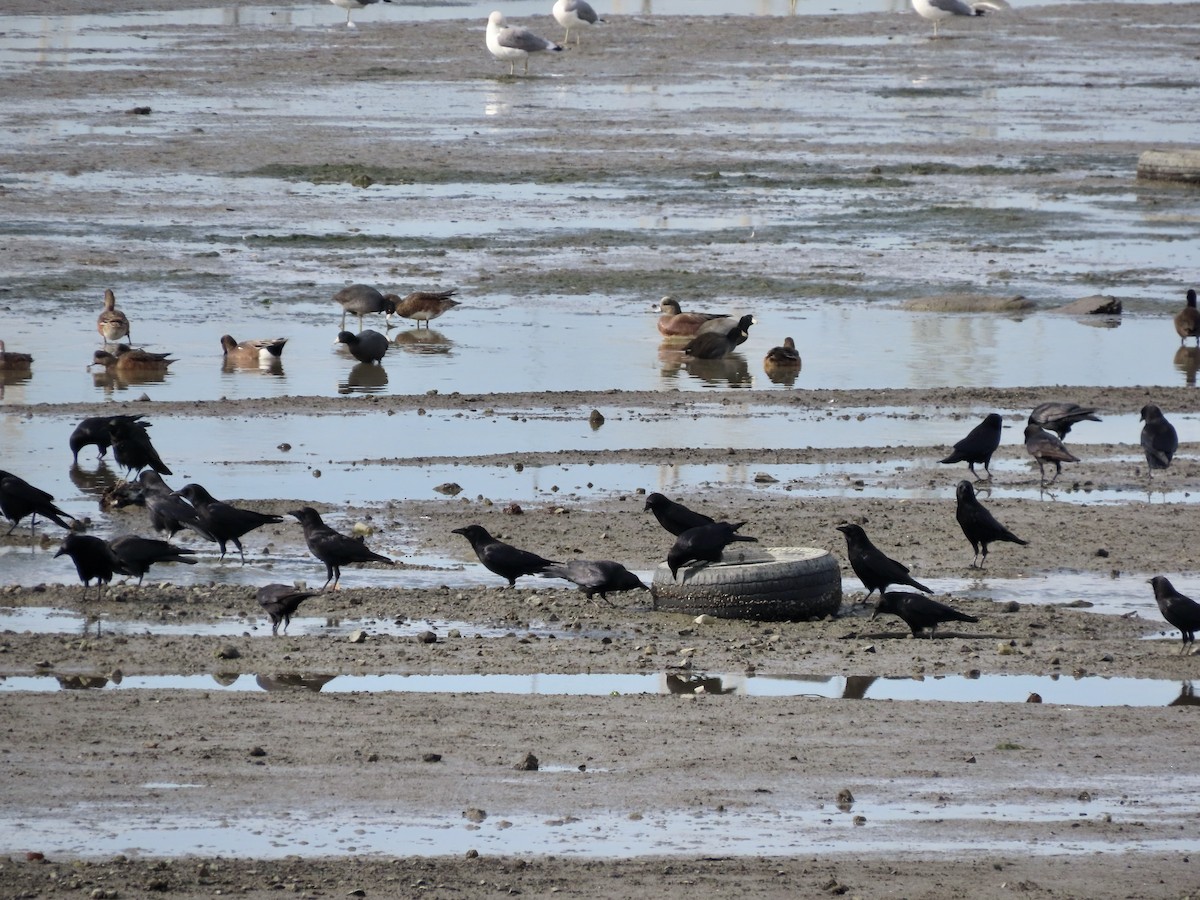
<point>874,612</point>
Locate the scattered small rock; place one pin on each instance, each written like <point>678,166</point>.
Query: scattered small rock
<point>426,637</point>
<point>474,814</point>
<point>357,636</point>
<point>449,488</point>
<point>431,757</point>
<point>528,764</point>
<point>1034,697</point>
<point>596,419</point>
<point>257,751</point>
<point>228,652</point>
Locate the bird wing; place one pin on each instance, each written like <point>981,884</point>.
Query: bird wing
<point>516,38</point>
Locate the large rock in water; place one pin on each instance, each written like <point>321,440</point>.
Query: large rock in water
<point>1170,165</point>
<point>968,303</point>
<point>1095,305</point>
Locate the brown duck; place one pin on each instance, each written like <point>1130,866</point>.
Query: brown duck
<point>423,306</point>
<point>1187,320</point>
<point>112,323</point>
<point>674,322</point>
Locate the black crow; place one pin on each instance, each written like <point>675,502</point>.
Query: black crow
<point>168,511</point>
<point>135,555</point>
<point>919,612</point>
<point>1058,416</point>
<point>93,558</point>
<point>718,344</point>
<point>675,517</point>
<point>132,448</point>
<point>366,346</point>
<point>979,445</point>
<point>704,543</point>
<point>97,431</point>
<point>1159,439</point>
<point>979,525</point>
<point>19,498</point>
<point>280,601</point>
<point>503,559</point>
<point>596,576</point>
<point>875,570</point>
<point>223,522</point>
<point>1045,447</point>
<point>1187,320</point>
<point>330,547</point>
<point>1180,611</point>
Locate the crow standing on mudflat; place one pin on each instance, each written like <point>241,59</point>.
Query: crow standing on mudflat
<point>503,559</point>
<point>168,511</point>
<point>1159,439</point>
<point>280,601</point>
<point>1180,611</point>
<point>918,611</point>
<point>979,525</point>
<point>331,547</point>
<point>704,543</point>
<point>132,448</point>
<point>875,570</point>
<point>19,498</point>
<point>675,517</point>
<point>1058,416</point>
<point>97,431</point>
<point>1045,447</point>
<point>979,445</point>
<point>596,577</point>
<point>93,558</point>
<point>134,555</point>
<point>223,522</point>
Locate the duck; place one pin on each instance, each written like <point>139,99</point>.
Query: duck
<point>1187,320</point>
<point>11,361</point>
<point>366,346</point>
<point>785,357</point>
<point>126,359</point>
<point>674,322</point>
<point>112,323</point>
<point>362,300</point>
<point>258,351</point>
<point>423,306</point>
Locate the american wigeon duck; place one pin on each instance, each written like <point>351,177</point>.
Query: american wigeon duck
<point>674,322</point>
<point>574,14</point>
<point>1187,320</point>
<point>252,351</point>
<point>422,306</point>
<point>715,345</point>
<point>509,43</point>
<point>11,361</point>
<point>366,346</point>
<point>785,357</point>
<point>132,361</point>
<point>112,323</point>
<point>362,300</point>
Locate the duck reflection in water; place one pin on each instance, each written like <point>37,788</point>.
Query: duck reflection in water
<point>423,340</point>
<point>293,681</point>
<point>1187,361</point>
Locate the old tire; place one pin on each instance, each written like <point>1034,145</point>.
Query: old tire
<point>780,584</point>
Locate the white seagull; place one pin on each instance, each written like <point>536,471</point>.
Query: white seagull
<point>511,42</point>
<point>574,14</point>
<point>351,5</point>
<point>936,10</point>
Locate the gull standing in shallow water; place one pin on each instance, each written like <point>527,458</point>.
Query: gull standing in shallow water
<point>936,10</point>
<point>511,42</point>
<point>350,5</point>
<point>574,14</point>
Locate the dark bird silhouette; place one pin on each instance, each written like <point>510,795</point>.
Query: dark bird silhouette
<point>332,548</point>
<point>918,611</point>
<point>112,323</point>
<point>596,577</point>
<point>168,511</point>
<point>979,525</point>
<point>1159,439</point>
<point>716,345</point>
<point>362,300</point>
<point>93,558</point>
<point>423,306</point>
<point>674,322</point>
<point>1187,320</point>
<point>704,543</point>
<point>97,431</point>
<point>784,357</point>
<point>134,555</point>
<point>1045,447</point>
<point>1180,611</point>
<point>979,445</point>
<point>280,601</point>
<point>503,559</point>
<point>222,521</point>
<point>366,346</point>
<point>19,498</point>
<point>12,361</point>
<point>874,569</point>
<point>132,448</point>
<point>1058,416</point>
<point>675,517</point>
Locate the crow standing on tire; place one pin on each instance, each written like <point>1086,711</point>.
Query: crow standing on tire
<point>675,517</point>
<point>979,445</point>
<point>978,524</point>
<point>705,543</point>
<point>503,559</point>
<point>874,569</point>
<point>919,612</point>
